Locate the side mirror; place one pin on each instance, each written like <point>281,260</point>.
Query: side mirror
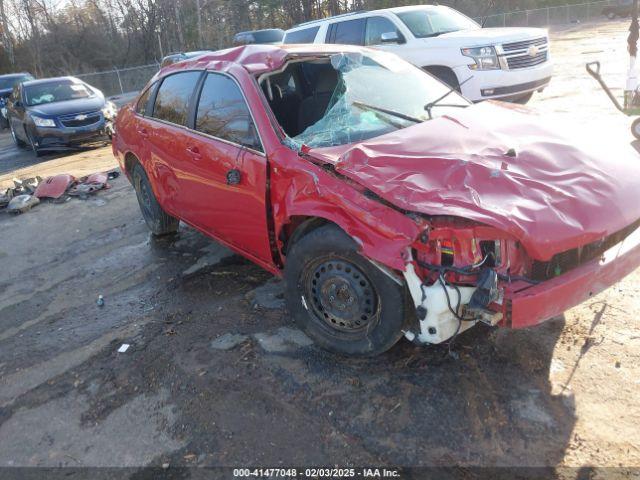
<point>391,37</point>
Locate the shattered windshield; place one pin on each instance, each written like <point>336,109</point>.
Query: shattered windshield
<point>365,96</point>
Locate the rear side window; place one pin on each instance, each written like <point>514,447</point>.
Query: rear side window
<point>306,35</point>
<point>223,113</point>
<point>350,32</point>
<point>172,100</point>
<point>143,101</point>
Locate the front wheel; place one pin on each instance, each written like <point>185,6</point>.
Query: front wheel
<point>19,143</point>
<point>635,128</point>
<point>340,299</point>
<point>159,222</point>
<point>523,99</point>
<point>36,151</point>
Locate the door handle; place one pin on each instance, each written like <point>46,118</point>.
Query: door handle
<point>194,152</point>
<point>143,132</point>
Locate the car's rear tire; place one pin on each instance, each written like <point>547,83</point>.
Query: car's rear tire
<point>19,143</point>
<point>340,299</point>
<point>159,222</point>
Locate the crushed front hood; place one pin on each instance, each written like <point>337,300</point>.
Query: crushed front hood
<point>552,195</point>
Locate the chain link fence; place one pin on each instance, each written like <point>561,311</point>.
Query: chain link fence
<point>120,81</point>
<point>549,16</point>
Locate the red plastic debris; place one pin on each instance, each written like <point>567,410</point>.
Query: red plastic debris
<point>55,187</point>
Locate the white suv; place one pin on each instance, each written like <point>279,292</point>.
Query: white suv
<point>482,63</point>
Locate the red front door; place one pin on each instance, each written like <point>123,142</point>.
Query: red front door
<point>224,191</point>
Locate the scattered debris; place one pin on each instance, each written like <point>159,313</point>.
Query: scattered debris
<point>26,186</point>
<point>123,348</point>
<point>6,197</point>
<point>55,187</point>
<point>58,188</point>
<point>100,301</point>
<point>22,203</point>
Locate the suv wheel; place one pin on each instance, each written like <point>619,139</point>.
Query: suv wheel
<point>158,221</point>
<point>340,299</point>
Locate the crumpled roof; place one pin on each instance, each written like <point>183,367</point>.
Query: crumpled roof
<point>257,58</point>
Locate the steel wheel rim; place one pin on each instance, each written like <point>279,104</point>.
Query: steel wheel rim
<point>341,296</point>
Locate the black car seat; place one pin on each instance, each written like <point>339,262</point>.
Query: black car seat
<point>313,107</point>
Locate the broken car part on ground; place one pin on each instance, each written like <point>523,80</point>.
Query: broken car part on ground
<point>27,193</point>
<point>396,209</point>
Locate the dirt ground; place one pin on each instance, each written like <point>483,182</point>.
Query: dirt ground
<point>218,375</point>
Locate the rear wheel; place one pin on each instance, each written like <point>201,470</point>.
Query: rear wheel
<point>635,128</point>
<point>340,299</point>
<point>159,222</point>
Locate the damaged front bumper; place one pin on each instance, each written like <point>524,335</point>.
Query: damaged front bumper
<point>519,304</point>
<point>527,305</point>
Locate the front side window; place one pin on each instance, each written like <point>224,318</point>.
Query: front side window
<point>172,100</point>
<point>376,27</point>
<point>350,32</point>
<point>306,35</point>
<point>223,113</point>
<point>431,22</point>
<point>56,91</point>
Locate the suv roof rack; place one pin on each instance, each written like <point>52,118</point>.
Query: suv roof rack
<point>311,22</point>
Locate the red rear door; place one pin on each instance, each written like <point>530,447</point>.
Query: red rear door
<point>167,135</point>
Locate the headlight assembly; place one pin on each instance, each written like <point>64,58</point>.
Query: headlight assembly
<point>43,122</point>
<point>486,58</point>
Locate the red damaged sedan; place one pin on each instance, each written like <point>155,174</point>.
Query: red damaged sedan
<point>391,205</point>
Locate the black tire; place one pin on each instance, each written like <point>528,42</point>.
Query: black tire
<point>611,15</point>
<point>635,128</point>
<point>341,300</point>
<point>524,99</point>
<point>446,76</point>
<point>159,222</point>
<point>19,143</point>
<point>37,152</point>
